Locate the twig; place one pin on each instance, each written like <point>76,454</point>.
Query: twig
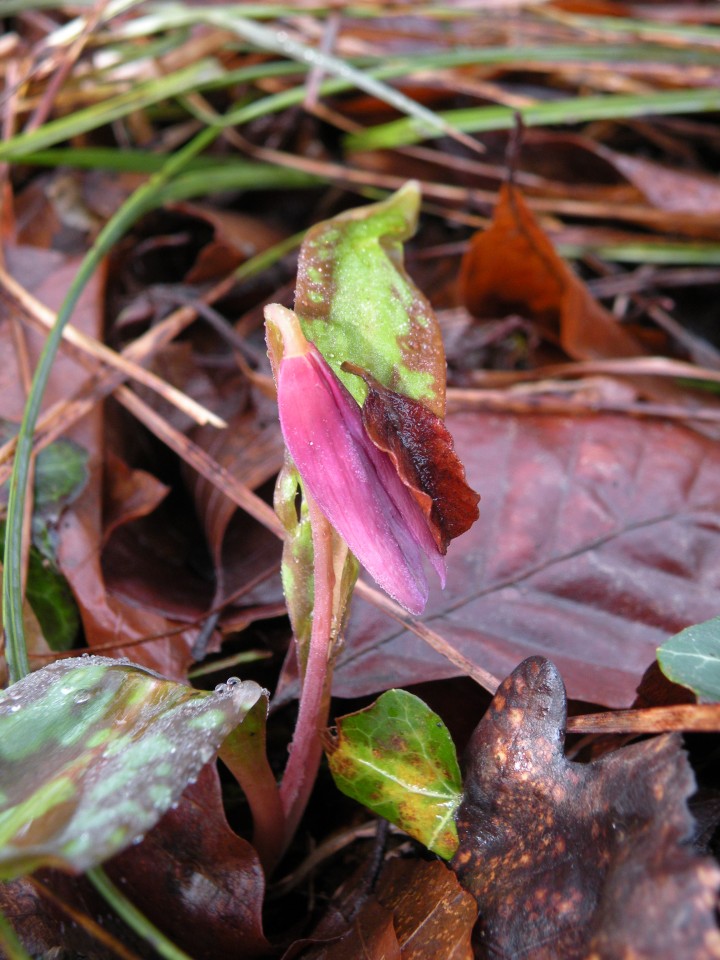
<point>37,311</point>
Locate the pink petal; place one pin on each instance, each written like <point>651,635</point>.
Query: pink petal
<point>355,484</point>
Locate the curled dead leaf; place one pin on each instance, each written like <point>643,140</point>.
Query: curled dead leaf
<point>422,449</point>
<point>579,860</point>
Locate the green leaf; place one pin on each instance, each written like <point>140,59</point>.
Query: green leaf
<point>93,751</point>
<point>356,302</point>
<point>50,597</point>
<point>60,474</point>
<point>397,758</point>
<point>692,658</point>
<point>52,602</point>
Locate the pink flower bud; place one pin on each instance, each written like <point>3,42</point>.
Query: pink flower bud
<point>355,484</point>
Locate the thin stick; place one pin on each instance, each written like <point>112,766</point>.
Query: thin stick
<point>84,921</point>
<point>37,311</point>
<point>433,639</point>
<point>201,461</point>
<point>690,717</point>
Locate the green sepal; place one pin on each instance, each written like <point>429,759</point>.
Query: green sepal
<point>297,556</point>
<point>357,303</point>
<point>397,758</point>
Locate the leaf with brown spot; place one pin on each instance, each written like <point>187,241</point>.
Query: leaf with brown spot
<point>422,449</point>
<point>579,860</point>
<point>513,267</point>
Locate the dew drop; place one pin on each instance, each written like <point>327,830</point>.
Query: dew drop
<point>14,708</point>
<point>81,697</point>
<point>221,688</point>
<point>233,681</point>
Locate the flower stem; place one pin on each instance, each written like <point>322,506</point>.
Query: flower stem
<point>306,746</point>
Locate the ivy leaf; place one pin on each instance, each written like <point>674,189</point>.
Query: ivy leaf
<point>93,751</point>
<point>356,302</point>
<point>692,658</point>
<point>397,758</point>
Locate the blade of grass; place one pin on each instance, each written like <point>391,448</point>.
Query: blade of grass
<point>279,41</point>
<point>672,32</point>
<point>689,253</point>
<point>13,949</point>
<point>400,133</point>
<point>128,213</point>
<point>133,917</point>
<point>142,96</point>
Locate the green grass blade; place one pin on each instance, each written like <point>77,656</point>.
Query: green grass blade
<point>13,949</point>
<point>133,917</point>
<point>577,110</point>
<point>142,96</point>
<point>129,212</point>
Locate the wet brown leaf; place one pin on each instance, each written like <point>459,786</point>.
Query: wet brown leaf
<point>196,879</point>
<point>579,861</point>
<point>418,910</point>
<point>434,916</point>
<point>598,539</point>
<point>129,494</point>
<point>423,452</point>
<point>513,267</point>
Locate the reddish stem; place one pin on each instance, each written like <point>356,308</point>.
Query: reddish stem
<point>306,746</point>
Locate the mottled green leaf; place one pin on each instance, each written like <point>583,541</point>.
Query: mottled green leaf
<point>692,658</point>
<point>93,751</point>
<point>356,302</point>
<point>398,758</point>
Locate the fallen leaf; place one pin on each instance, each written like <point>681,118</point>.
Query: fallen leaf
<point>513,268</point>
<point>423,452</point>
<point>692,658</point>
<point>579,860</point>
<point>94,751</point>
<point>129,494</point>
<point>196,879</point>
<point>235,238</point>
<point>397,758</point>
<point>418,910</point>
<point>598,539</point>
<point>371,937</point>
<point>433,915</point>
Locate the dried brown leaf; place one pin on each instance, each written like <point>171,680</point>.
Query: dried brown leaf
<point>579,861</point>
<point>196,879</point>
<point>513,267</point>
<point>423,452</point>
<point>598,539</point>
